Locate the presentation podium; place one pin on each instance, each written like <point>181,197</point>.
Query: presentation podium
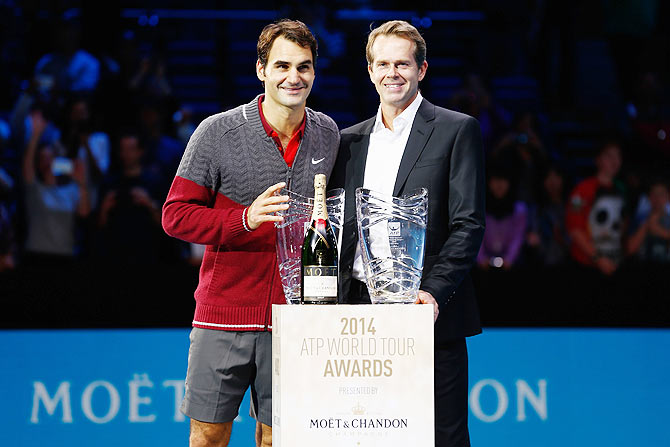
<point>352,375</point>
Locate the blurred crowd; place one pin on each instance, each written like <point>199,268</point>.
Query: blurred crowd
<point>89,150</point>
<point>91,143</point>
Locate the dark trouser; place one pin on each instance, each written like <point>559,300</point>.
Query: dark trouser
<point>451,394</point>
<point>451,384</point>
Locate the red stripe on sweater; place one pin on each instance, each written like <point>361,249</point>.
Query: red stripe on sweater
<point>197,214</point>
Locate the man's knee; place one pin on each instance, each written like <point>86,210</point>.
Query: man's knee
<point>205,434</point>
<point>263,435</point>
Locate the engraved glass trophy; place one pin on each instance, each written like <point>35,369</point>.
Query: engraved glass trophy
<point>291,233</point>
<point>392,235</point>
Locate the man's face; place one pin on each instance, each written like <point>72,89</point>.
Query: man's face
<point>130,151</point>
<point>288,74</point>
<point>79,112</point>
<point>394,71</point>
<point>553,183</point>
<point>499,186</point>
<point>609,161</point>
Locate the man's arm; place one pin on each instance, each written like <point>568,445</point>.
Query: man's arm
<point>189,213</point>
<point>28,163</point>
<point>466,213</point>
<point>187,216</point>
<point>635,241</point>
<point>79,176</point>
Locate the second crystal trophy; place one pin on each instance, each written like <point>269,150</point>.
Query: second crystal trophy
<point>392,235</point>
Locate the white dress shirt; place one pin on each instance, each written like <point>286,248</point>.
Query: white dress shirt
<point>384,155</point>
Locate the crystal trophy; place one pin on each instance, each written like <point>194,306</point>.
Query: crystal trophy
<point>291,232</point>
<point>392,236</point>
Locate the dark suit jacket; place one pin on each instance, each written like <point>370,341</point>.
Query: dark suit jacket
<point>443,154</point>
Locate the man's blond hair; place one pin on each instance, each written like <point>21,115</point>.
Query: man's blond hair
<point>398,28</point>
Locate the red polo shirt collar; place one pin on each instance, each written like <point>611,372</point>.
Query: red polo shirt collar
<point>293,144</point>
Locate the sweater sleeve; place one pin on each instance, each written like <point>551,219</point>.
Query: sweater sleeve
<point>194,211</point>
<point>187,216</point>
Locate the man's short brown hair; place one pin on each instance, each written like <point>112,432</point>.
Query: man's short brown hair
<point>293,30</point>
<point>398,28</point>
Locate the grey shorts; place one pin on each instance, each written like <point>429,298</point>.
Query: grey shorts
<point>221,366</point>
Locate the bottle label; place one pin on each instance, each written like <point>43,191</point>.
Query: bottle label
<point>319,282</point>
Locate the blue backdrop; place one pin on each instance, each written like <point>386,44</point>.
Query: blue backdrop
<point>528,387</point>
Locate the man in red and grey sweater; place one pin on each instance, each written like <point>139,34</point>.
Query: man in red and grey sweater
<point>223,196</point>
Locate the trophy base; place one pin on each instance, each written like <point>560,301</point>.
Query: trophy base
<point>391,298</point>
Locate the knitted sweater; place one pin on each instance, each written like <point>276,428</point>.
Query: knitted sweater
<point>229,161</point>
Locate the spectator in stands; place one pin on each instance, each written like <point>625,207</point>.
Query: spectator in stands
<point>69,68</point>
<point>151,79</point>
<point>5,134</point>
<point>183,120</point>
<point>129,214</point>
<point>475,100</point>
<point>21,119</point>
<point>523,149</point>
<point>650,119</point>
<point>506,219</point>
<point>595,214</point>
<point>83,140</point>
<point>7,233</point>
<point>524,131</point>
<point>548,237</point>
<point>55,195</point>
<point>86,144</point>
<point>6,186</point>
<point>5,152</point>
<point>650,236</point>
<point>163,152</point>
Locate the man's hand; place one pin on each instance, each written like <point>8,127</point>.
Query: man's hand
<point>262,209</point>
<point>606,265</point>
<point>141,197</point>
<point>427,298</point>
<point>79,172</point>
<point>106,206</point>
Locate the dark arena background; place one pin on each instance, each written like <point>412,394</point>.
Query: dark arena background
<point>94,344</point>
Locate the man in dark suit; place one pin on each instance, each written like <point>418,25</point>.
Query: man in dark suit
<point>411,144</point>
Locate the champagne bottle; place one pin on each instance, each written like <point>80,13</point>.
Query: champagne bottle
<point>319,253</point>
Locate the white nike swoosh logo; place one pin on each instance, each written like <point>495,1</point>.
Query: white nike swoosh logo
<point>316,162</point>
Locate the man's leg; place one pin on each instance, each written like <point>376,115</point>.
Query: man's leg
<point>451,395</point>
<point>261,390</point>
<point>206,434</point>
<point>220,368</point>
<point>263,435</point>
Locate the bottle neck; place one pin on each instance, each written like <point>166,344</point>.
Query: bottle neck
<point>320,212</point>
